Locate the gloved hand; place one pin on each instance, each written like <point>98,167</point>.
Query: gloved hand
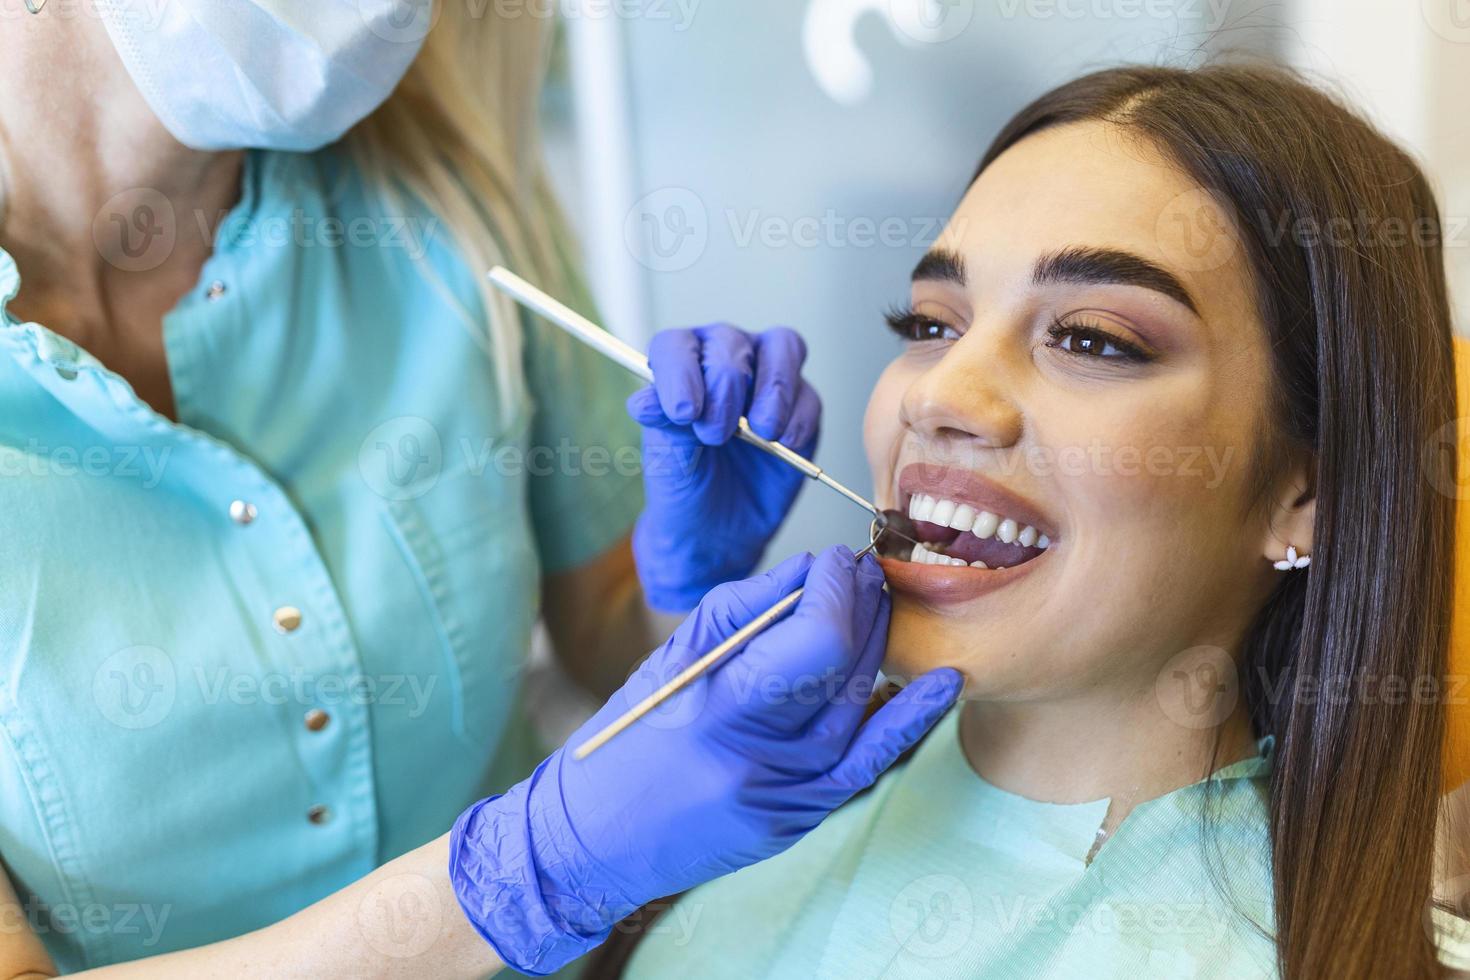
<point>739,767</point>
<point>713,502</point>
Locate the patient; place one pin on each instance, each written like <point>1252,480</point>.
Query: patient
<point>1161,415</point>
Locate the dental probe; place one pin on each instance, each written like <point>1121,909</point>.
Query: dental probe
<point>704,663</point>
<point>616,350</point>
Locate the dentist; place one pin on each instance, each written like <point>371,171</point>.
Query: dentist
<point>283,489</point>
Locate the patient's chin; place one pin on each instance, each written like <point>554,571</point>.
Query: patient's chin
<point>917,644</point>
<point>910,654</point>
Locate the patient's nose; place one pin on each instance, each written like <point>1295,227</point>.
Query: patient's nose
<point>965,399</point>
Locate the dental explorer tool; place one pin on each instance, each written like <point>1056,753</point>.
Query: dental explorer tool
<point>686,676</point>
<point>616,350</point>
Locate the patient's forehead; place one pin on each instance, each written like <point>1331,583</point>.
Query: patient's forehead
<point>1098,184</point>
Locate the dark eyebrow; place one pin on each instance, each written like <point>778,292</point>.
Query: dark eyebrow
<point>941,264</point>
<point>1109,265</point>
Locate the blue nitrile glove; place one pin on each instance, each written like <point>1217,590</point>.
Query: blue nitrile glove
<point>732,770</point>
<point>713,502</point>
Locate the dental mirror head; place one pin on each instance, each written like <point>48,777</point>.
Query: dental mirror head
<point>892,534</point>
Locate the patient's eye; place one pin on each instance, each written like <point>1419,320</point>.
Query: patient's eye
<point>917,327</point>
<point>1089,340</point>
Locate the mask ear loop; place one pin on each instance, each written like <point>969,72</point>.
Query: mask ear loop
<point>34,6</point>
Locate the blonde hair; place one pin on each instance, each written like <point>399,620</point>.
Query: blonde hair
<point>460,134</point>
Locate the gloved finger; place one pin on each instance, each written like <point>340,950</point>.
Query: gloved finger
<point>822,635</point>
<point>645,409</point>
<point>674,356</point>
<point>841,680</point>
<point>728,360</point>
<point>842,717</point>
<point>893,730</point>
<point>805,424</point>
<point>779,355</point>
<point>728,607</point>
<point>719,615</point>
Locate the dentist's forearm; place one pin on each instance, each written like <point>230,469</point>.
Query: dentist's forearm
<point>599,624</point>
<point>401,921</point>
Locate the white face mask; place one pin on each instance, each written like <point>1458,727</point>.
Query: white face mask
<point>268,74</point>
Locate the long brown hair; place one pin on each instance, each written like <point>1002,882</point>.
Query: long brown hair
<point>1341,232</point>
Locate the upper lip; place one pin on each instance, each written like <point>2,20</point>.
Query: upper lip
<point>968,487</point>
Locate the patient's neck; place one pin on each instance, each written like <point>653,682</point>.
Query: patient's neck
<point>1088,748</point>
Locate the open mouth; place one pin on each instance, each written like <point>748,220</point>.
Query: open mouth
<point>952,532</point>
<point>973,535</point>
<point>960,519</point>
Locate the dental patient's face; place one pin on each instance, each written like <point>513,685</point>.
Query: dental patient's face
<point>1072,422</point>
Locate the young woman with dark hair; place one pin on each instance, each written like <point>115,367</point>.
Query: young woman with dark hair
<point>1164,413</point>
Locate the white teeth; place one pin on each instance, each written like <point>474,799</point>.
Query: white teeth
<point>985,525</point>
<point>978,564</point>
<point>965,517</point>
<point>918,553</point>
<point>958,562</point>
<point>923,508</point>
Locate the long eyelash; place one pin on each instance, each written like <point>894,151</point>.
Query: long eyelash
<point>900,320</point>
<point>904,322</point>
<point>1130,350</point>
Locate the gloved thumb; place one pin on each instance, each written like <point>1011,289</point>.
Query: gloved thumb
<point>644,408</point>
<point>894,729</point>
<point>726,608</point>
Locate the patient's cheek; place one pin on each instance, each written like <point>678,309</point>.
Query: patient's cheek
<point>883,431</point>
<point>917,644</point>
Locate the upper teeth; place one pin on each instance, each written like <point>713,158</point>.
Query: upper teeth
<point>982,524</point>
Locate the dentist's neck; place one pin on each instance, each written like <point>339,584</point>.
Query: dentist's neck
<point>74,134</point>
<point>1125,744</point>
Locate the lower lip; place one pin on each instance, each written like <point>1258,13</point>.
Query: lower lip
<point>946,584</point>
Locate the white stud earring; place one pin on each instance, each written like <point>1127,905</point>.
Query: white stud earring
<point>1292,560</point>
<point>34,6</point>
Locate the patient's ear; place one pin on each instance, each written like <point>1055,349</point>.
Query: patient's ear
<point>1292,511</point>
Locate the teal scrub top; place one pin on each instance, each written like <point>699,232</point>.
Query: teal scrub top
<point>248,657</point>
<point>938,875</point>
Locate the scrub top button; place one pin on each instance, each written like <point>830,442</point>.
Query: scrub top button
<point>316,720</point>
<point>215,291</point>
<point>319,814</point>
<point>287,619</point>
<point>242,512</point>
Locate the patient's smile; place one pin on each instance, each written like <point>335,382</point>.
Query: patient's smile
<point>955,532</point>
<point>971,531</point>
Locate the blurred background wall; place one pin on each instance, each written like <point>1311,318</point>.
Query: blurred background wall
<point>788,161</point>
